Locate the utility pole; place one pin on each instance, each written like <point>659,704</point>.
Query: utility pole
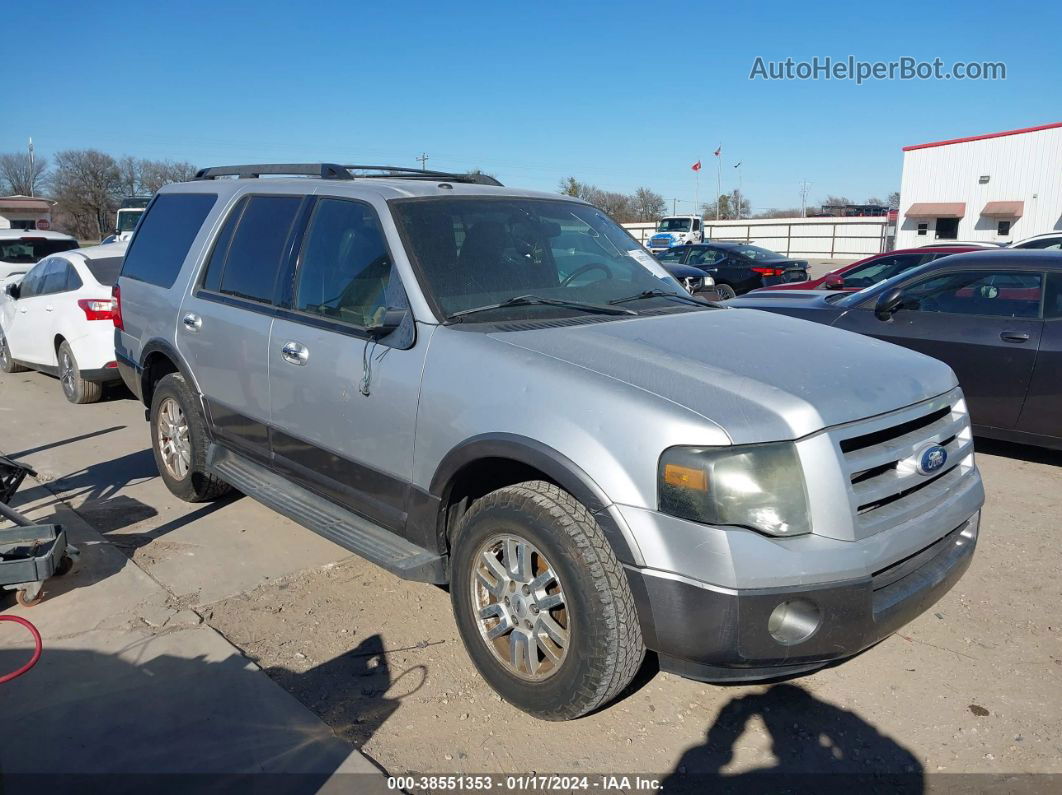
<point>31,171</point>
<point>804,198</point>
<point>674,206</point>
<point>423,160</point>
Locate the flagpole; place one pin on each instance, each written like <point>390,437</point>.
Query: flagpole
<point>718,179</point>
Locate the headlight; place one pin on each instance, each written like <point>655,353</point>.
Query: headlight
<point>756,486</point>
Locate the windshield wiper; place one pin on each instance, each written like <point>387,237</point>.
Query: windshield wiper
<point>532,300</point>
<point>658,293</point>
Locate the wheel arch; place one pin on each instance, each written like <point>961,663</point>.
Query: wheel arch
<point>159,358</point>
<point>506,459</point>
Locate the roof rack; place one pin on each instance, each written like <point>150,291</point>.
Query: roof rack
<point>334,171</point>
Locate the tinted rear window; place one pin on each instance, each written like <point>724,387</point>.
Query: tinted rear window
<point>257,247</point>
<point>105,270</point>
<point>166,233</point>
<point>31,250</point>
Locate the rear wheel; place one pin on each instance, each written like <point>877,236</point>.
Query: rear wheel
<point>75,388</point>
<point>725,292</point>
<point>542,604</point>
<point>179,441</point>
<point>7,364</point>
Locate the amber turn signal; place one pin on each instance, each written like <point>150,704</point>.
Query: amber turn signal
<point>686,477</point>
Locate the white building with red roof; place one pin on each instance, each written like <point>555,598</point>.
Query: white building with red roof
<point>999,187</point>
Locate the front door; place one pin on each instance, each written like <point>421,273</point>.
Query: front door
<point>224,324</point>
<point>30,328</point>
<point>344,405</point>
<point>985,324</point>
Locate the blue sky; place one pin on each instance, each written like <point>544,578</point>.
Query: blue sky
<point>616,93</point>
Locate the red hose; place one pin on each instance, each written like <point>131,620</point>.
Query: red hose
<point>36,650</point>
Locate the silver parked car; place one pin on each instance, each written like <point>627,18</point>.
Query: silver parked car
<point>500,390</point>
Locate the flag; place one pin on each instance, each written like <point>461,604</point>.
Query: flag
<point>696,166</point>
<point>717,151</point>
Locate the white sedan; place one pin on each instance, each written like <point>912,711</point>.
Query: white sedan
<point>58,319</point>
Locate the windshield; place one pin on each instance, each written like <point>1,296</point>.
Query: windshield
<point>856,298</point>
<point>473,252</point>
<point>127,219</point>
<point>30,250</point>
<point>674,225</point>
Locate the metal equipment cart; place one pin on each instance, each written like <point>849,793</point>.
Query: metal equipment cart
<point>29,553</point>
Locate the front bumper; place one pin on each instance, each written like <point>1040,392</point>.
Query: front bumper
<point>718,634</point>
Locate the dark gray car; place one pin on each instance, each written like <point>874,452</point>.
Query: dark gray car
<point>994,316</point>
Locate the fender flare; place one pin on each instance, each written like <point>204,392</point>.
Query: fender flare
<point>556,466</point>
<point>170,352</point>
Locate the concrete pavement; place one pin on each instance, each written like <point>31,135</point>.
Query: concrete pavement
<point>131,680</point>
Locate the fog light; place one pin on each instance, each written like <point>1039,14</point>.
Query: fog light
<point>794,621</point>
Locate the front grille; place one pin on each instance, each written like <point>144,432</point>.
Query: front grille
<point>880,456</point>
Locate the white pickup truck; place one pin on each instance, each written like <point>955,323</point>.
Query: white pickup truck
<point>677,230</point>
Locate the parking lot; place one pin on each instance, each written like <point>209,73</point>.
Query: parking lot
<point>973,685</point>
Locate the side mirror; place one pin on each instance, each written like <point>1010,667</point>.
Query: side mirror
<point>888,302</point>
<point>387,323</point>
<point>834,282</point>
<point>13,291</point>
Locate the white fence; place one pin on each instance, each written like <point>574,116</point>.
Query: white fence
<point>821,238</point>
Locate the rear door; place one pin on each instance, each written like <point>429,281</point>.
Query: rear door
<point>985,324</point>
<point>343,405</point>
<point>224,324</point>
<point>1042,412</point>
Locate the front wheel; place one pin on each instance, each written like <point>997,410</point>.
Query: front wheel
<point>7,364</point>
<point>542,604</point>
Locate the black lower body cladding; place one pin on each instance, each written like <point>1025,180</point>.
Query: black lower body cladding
<point>723,635</point>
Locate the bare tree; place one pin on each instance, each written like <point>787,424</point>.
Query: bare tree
<point>647,205</point>
<point>87,184</point>
<point>894,200</point>
<point>20,177</point>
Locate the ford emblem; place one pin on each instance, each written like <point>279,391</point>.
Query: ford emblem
<point>932,459</point>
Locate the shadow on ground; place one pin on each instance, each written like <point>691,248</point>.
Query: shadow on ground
<point>817,747</point>
<point>146,711</point>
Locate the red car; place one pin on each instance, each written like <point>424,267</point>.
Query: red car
<point>871,270</point>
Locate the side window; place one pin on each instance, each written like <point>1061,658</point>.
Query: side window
<point>164,236</point>
<point>216,264</point>
<point>880,269</point>
<point>704,256</point>
<point>989,293</point>
<point>72,281</point>
<point>345,271</point>
<point>54,277</point>
<point>257,247</point>
<point>33,280</point>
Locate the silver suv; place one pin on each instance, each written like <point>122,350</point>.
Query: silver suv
<point>501,391</point>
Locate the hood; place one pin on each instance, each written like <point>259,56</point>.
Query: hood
<point>761,377</point>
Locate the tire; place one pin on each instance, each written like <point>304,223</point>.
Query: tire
<point>725,292</point>
<point>7,364</point>
<point>175,412</point>
<point>603,646</point>
<point>75,388</point>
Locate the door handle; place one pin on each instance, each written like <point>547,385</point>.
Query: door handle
<point>1014,336</point>
<point>192,321</point>
<point>295,353</point>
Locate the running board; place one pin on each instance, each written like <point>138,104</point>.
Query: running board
<point>356,533</point>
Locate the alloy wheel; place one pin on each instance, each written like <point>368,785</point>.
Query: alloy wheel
<point>175,447</point>
<point>67,373</point>
<point>520,607</point>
